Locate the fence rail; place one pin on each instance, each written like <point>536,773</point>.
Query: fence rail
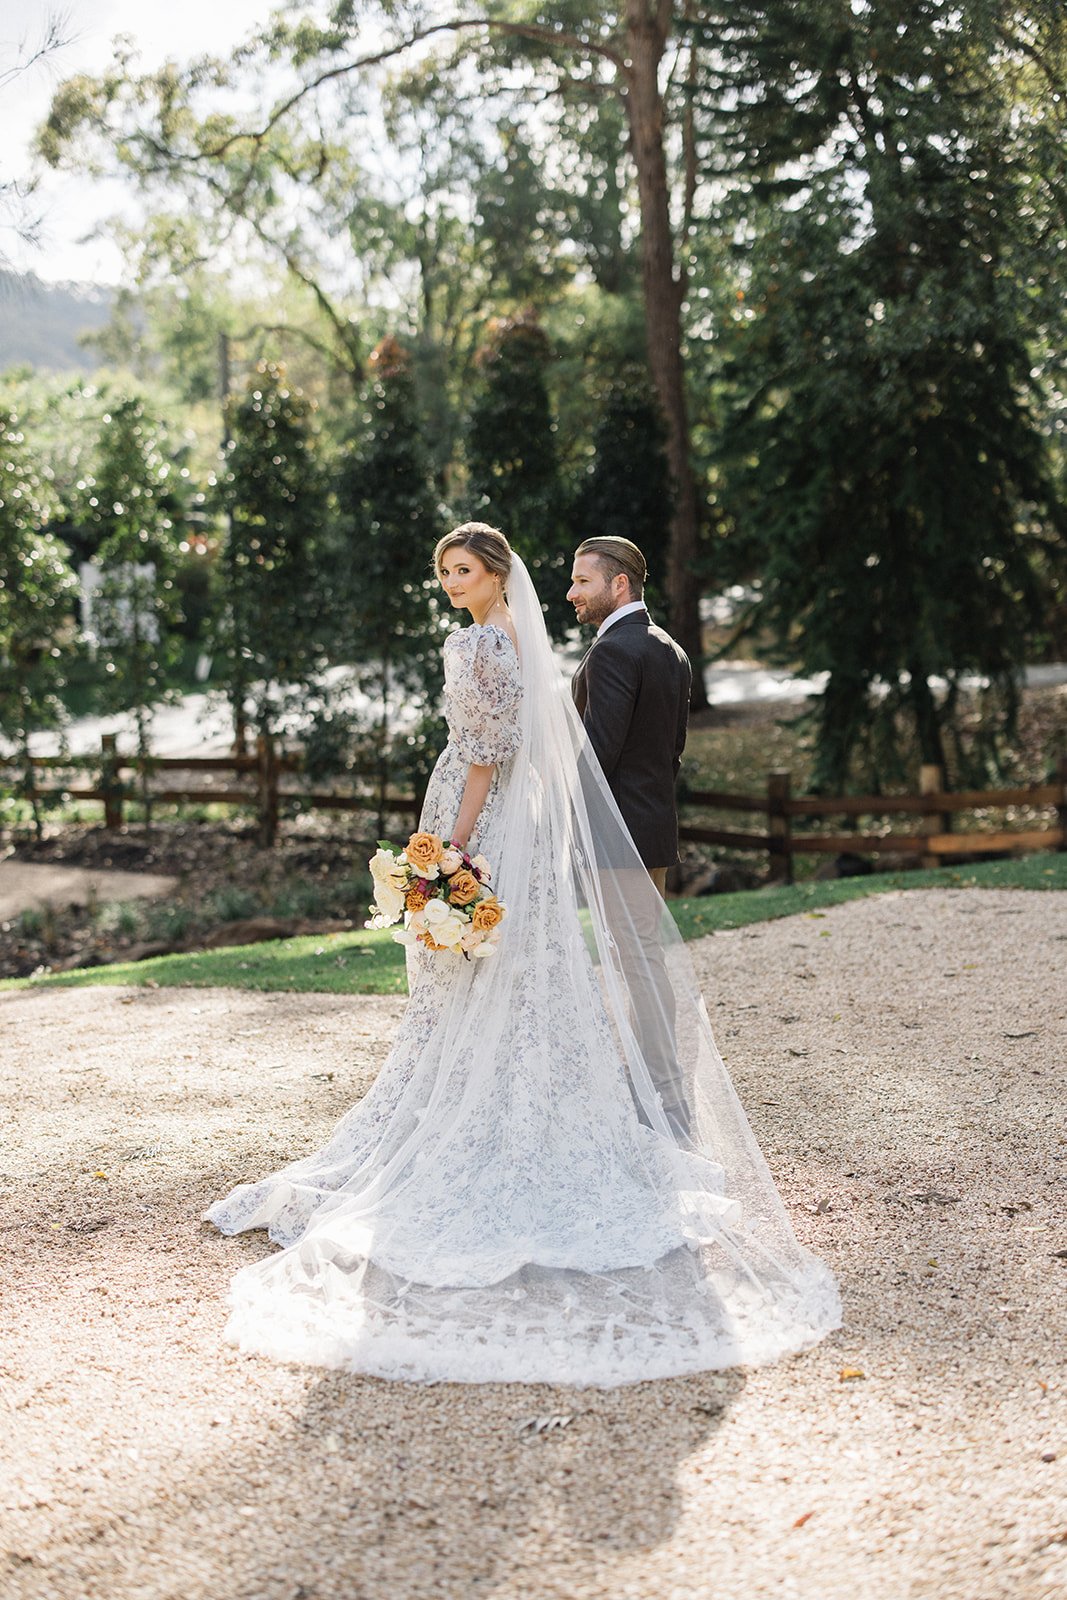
<point>265,795</point>
<point>934,806</point>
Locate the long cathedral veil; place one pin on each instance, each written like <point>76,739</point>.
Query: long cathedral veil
<point>658,1014</point>
<point>566,1186</point>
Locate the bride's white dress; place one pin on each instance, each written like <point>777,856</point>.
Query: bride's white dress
<point>498,1206</point>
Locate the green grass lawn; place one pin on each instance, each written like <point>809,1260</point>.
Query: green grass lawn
<point>367,962</point>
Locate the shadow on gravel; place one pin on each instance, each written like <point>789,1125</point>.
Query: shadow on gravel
<point>446,1491</point>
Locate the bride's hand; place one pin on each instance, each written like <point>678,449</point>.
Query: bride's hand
<point>479,782</point>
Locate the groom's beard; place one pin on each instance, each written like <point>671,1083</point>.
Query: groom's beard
<point>595,611</point>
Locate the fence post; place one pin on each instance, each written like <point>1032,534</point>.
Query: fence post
<point>779,825</point>
<point>1061,808</point>
<point>266,789</point>
<point>932,783</point>
<point>110,782</point>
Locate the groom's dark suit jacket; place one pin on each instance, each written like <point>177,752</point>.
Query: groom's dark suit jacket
<point>632,693</point>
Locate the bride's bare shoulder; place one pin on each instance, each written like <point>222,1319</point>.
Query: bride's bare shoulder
<point>508,627</point>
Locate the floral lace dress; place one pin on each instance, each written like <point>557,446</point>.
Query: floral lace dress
<point>481,700</point>
<point>483,691</point>
<point>493,1208</point>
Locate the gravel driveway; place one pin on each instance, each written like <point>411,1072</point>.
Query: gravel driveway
<point>902,1059</point>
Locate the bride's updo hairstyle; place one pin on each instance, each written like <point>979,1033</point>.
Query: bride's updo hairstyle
<point>487,543</point>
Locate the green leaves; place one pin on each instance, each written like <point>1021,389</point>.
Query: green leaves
<point>515,480</point>
<point>273,489</point>
<point>37,596</point>
<point>885,451</point>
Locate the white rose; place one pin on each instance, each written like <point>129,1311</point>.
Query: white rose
<point>387,868</point>
<point>444,924</point>
<point>390,878</point>
<point>484,869</point>
<point>390,901</point>
<point>451,861</point>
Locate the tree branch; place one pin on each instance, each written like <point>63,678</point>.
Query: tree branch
<point>293,331</point>
<point>521,30</point>
<point>1031,51</point>
<point>52,41</point>
<point>689,136</point>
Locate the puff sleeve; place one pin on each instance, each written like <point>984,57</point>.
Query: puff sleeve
<point>483,693</point>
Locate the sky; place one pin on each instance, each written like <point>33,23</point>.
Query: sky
<point>73,206</point>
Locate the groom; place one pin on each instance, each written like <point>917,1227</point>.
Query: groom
<point>632,692</point>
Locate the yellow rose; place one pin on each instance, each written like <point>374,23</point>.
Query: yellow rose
<point>415,900</point>
<point>463,887</point>
<point>424,850</point>
<point>488,914</point>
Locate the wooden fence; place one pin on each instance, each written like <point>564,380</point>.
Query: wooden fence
<point>934,808</point>
<point>263,773</point>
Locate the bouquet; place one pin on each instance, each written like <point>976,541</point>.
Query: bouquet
<point>442,893</point>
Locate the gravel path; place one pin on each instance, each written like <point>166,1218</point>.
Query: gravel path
<point>902,1059</point>
<point>23,885</point>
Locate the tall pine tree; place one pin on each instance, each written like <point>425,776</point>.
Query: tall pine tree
<point>885,451</point>
<point>515,480</point>
<point>125,509</point>
<point>37,595</point>
<point>626,490</point>
<point>276,592</point>
<point>389,520</point>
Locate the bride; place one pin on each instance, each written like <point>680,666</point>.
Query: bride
<point>510,1200</point>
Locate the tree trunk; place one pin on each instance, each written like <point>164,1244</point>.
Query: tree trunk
<point>383,743</point>
<point>927,721</point>
<point>29,780</point>
<point>647,27</point>
<point>143,752</point>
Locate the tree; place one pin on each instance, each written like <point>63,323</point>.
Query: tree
<point>629,51</point>
<point>37,590</point>
<point>16,213</point>
<point>515,479</point>
<point>885,448</point>
<point>275,593</point>
<point>626,492</point>
<point>123,510</point>
<point>388,522</point>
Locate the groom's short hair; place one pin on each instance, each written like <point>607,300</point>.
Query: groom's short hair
<point>617,555</point>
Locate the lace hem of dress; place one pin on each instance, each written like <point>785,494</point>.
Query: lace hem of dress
<point>543,1326</point>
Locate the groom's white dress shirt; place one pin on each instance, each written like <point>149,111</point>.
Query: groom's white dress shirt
<point>623,611</point>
